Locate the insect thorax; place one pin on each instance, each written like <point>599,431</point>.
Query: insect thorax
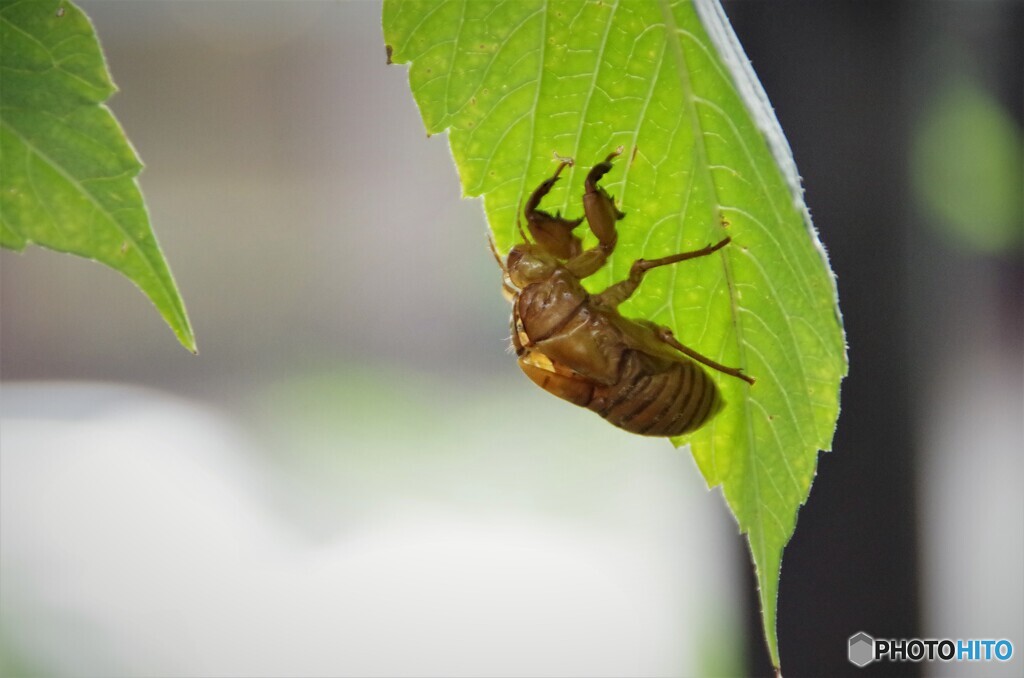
<point>546,305</point>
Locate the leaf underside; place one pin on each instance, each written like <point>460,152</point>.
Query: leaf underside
<point>516,82</point>
<point>67,172</point>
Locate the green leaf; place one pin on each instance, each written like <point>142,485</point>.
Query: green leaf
<point>515,82</point>
<point>67,172</point>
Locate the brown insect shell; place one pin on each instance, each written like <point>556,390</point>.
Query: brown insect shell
<point>552,294</point>
<point>601,215</point>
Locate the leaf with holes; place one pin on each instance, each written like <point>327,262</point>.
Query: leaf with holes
<point>515,83</point>
<point>67,173</point>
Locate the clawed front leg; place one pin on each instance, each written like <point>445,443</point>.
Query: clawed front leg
<point>552,232</point>
<point>601,216</point>
<point>599,206</point>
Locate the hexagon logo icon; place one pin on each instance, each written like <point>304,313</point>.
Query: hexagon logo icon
<point>862,649</point>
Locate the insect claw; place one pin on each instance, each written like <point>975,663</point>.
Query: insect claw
<point>614,154</point>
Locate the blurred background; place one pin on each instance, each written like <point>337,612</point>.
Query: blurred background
<point>353,478</point>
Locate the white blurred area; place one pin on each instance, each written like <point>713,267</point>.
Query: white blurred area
<point>971,486</point>
<point>143,535</point>
<point>972,469</point>
<point>353,477</point>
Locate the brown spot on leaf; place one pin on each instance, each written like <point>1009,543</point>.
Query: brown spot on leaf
<point>387,48</point>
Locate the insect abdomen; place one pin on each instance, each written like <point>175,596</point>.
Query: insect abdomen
<point>666,402</point>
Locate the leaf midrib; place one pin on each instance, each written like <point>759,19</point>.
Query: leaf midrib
<point>590,98</point>
<point>689,101</point>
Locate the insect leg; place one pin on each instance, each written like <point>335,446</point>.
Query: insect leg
<point>599,170</point>
<point>666,335</point>
<point>598,205</point>
<point>620,291</point>
<point>591,261</point>
<point>545,187</point>
<point>552,232</point>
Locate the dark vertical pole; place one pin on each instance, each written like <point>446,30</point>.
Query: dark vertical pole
<point>834,72</point>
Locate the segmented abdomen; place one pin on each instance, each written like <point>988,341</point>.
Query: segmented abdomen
<point>665,402</point>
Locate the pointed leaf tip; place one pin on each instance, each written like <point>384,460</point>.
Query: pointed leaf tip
<point>67,172</point>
